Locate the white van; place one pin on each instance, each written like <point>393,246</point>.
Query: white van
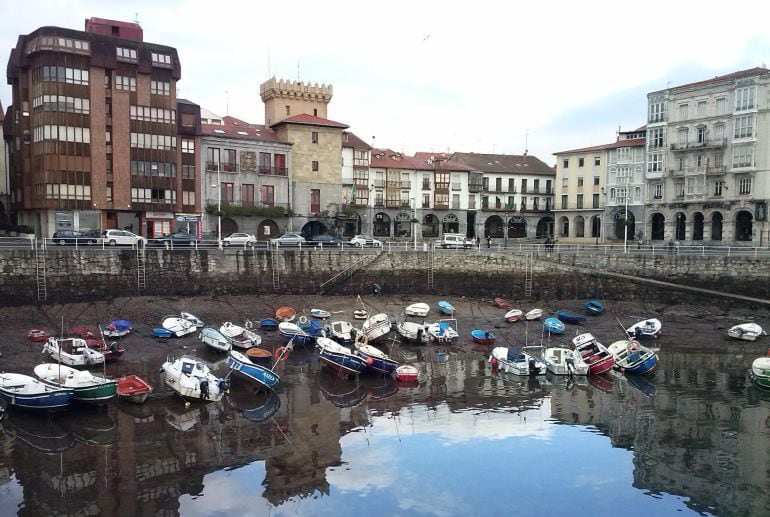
<point>455,241</point>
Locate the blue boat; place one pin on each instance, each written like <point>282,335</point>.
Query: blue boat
<point>632,357</point>
<point>445,307</point>
<point>553,325</point>
<point>268,324</point>
<point>594,307</point>
<point>568,317</point>
<point>340,357</point>
<point>376,359</point>
<point>303,334</point>
<point>117,328</point>
<point>27,392</point>
<point>240,363</point>
<point>483,337</point>
<point>161,332</point>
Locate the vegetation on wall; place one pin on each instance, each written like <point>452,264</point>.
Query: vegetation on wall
<point>233,210</point>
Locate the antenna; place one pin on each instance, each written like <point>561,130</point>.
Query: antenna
<point>297,69</point>
<point>227,103</point>
<point>526,142</point>
<point>136,18</point>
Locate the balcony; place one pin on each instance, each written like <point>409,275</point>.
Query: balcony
<point>406,185</point>
<point>273,171</point>
<point>441,206</point>
<point>393,184</point>
<point>442,188</point>
<point>671,172</point>
<point>426,186</point>
<point>393,203</point>
<point>379,183</point>
<point>710,143</point>
<point>379,203</point>
<point>457,186</point>
<point>212,166</point>
<point>475,187</point>
<point>229,167</point>
<point>405,204</point>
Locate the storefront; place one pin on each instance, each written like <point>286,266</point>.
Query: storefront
<point>190,223</point>
<point>158,224</point>
<point>81,220</point>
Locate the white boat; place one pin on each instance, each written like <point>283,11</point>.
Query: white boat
<point>411,330</point>
<point>341,331</point>
<point>746,331</point>
<point>419,310</point>
<point>88,387</point>
<point>564,361</point>
<point>191,378</point>
<point>27,392</point>
<point>214,339</point>
<point>360,314</point>
<point>238,336</point>
<point>320,314</point>
<point>633,357</point>
<point>72,352</point>
<point>178,326</point>
<point>376,326</point>
<point>534,314</point>
<point>513,315</point>
<point>645,329</point>
<point>514,360</point>
<point>443,331</point>
<point>192,318</point>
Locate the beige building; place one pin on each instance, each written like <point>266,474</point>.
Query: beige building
<point>580,184</point>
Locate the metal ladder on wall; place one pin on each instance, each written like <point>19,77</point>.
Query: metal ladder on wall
<point>276,271</point>
<point>430,269</point>
<point>141,274</point>
<point>42,291</point>
<point>529,273</point>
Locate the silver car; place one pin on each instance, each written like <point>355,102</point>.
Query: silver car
<point>239,239</point>
<point>288,239</point>
<point>122,237</point>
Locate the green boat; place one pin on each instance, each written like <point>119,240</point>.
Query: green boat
<point>88,387</point>
<point>760,372</point>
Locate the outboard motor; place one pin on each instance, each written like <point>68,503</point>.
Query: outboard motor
<point>532,367</point>
<point>570,366</point>
<point>204,386</point>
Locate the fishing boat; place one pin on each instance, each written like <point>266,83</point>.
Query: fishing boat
<point>268,324</point>
<point>407,373</point>
<point>192,379</point>
<point>596,355</point>
<point>376,327</point>
<point>111,352</point>
<point>320,314</point>
<point>412,331</point>
<point>632,357</point>
<point>511,359</point>
<point>645,329</point>
<point>161,333</point>
<point>443,331</point>
<point>240,363</point>
<point>513,315</point>
<point>133,388</point>
<point>419,310</point>
<point>341,332</point>
<point>38,335</point>
<point>285,314</point>
<point>553,325</point>
<point>238,336</point>
<point>564,361</point>
<point>746,331</point>
<point>594,307</point>
<point>178,326</point>
<point>360,314</point>
<point>444,307</point>
<point>27,392</point>
<point>376,359</point>
<point>502,303</point>
<point>214,339</point>
<point>760,372</point>
<point>72,352</point>
<point>117,328</point>
<point>483,337</point>
<point>88,386</point>
<point>568,317</point>
<point>259,355</point>
<point>192,318</point>
<point>534,314</point>
<point>339,357</point>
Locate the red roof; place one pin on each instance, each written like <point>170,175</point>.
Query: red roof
<point>351,140</point>
<point>310,120</point>
<point>389,159</point>
<point>246,132</point>
<point>631,142</point>
<point>720,78</point>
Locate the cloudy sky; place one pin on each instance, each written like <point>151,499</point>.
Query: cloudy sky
<point>437,76</point>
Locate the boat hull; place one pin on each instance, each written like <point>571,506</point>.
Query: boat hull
<point>268,324</point>
<point>573,319</point>
<point>554,326</point>
<point>407,373</point>
<point>383,365</point>
<point>27,392</point>
<point>253,372</point>
<point>760,372</point>
<point>483,338</point>
<point>419,310</point>
<point>133,389</point>
<point>594,307</point>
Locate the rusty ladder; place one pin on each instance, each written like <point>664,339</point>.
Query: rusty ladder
<point>141,271</point>
<point>276,270</point>
<point>42,290</point>
<point>529,273</point>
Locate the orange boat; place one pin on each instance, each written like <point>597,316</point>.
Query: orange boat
<point>285,314</point>
<point>259,355</point>
<point>134,389</point>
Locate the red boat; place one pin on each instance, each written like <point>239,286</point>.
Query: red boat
<point>133,388</point>
<point>111,351</point>
<point>596,355</point>
<point>285,314</point>
<point>38,336</point>
<point>407,373</point>
<point>483,337</point>
<point>502,303</point>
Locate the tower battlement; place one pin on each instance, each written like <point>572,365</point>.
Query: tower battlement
<point>283,99</point>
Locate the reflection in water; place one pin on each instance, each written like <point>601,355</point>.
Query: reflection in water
<point>695,436</point>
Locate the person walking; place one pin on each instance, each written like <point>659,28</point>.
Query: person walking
<point>671,246</point>
<point>478,241</point>
<point>489,242</point>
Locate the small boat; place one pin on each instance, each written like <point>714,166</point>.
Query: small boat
<point>502,303</point>
<point>38,335</point>
<point>760,372</point>
<point>178,326</point>
<point>413,331</point>
<point>442,331</point>
<point>645,329</point>
<point>534,314</point>
<point>88,386</point>
<point>192,318</point>
<point>511,359</point>
<point>483,337</point>
<point>341,332</point>
<point>444,307</point>
<point>27,392</point>
<point>72,352</point>
<point>746,331</point>
<point>339,357</point>
<point>85,333</point>
<point>238,336</point>
<point>285,314</point>
<point>631,357</point>
<point>161,332</point>
<point>564,361</point>
<point>303,334</point>
<point>191,378</point>
<point>553,325</point>
<point>240,363</point>
<point>407,373</point>
<point>594,307</point>
<point>133,388</point>
<point>320,314</point>
<point>259,355</point>
<point>596,355</point>
<point>376,327</point>
<point>419,310</point>
<point>117,328</point>
<point>513,315</point>
<point>360,314</point>
<point>568,317</point>
<point>214,339</point>
<point>375,358</point>
<point>268,324</point>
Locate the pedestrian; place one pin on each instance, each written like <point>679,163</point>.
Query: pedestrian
<point>639,243</point>
<point>671,246</point>
<point>676,245</point>
<point>478,241</point>
<point>489,242</point>
<point>547,244</point>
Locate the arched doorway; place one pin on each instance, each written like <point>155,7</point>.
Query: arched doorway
<point>430,226</point>
<point>381,226</point>
<point>351,225</point>
<point>229,226</point>
<point>563,227</point>
<point>313,228</point>
<point>697,226</point>
<point>744,223</point>
<point>517,227</point>
<point>450,224</point>
<point>493,227</point>
<point>716,226</point>
<point>544,227</point>
<point>681,225</point>
<point>625,220</point>
<point>267,230</point>
<point>596,227</point>
<point>403,225</point>
<point>580,226</point>
<point>658,227</point>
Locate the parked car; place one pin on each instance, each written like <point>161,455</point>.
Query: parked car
<point>326,241</point>
<point>362,241</point>
<point>239,239</point>
<point>74,237</point>
<point>122,237</point>
<point>288,239</point>
<point>456,241</point>
<point>176,239</point>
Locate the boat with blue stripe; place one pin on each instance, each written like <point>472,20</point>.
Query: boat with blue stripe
<point>633,357</point>
<point>340,357</point>
<point>238,362</point>
<point>568,317</point>
<point>29,393</point>
<point>445,307</point>
<point>594,307</point>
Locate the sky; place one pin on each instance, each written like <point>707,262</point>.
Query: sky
<point>483,76</point>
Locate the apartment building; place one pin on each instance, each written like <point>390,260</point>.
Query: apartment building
<point>624,197</point>
<point>707,160</point>
<point>4,180</point>
<point>356,156</point>
<point>580,180</point>
<point>98,137</point>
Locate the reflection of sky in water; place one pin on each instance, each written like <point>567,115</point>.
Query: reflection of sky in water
<point>11,497</point>
<point>438,462</point>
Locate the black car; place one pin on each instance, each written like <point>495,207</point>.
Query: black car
<point>177,239</point>
<point>326,241</point>
<point>75,237</point>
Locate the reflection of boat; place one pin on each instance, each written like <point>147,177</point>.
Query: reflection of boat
<point>182,419</point>
<point>746,331</point>
<point>238,336</point>
<point>445,307</point>
<point>568,317</point>
<point>553,325</point>
<point>419,310</point>
<point>72,351</point>
<point>192,318</point>
<point>242,364</point>
<point>191,378</point>
<point>340,392</point>
<point>133,388</point>
<point>642,384</point>
<point>632,357</point>
<point>177,326</point>
<point>594,307</point>
<point>92,428</point>
<point>214,339</point>
<point>602,382</point>
<point>285,314</point>
<point>88,387</point>
<point>516,361</point>
<point>760,372</point>
<point>27,392</point>
<point>564,361</point>
<point>645,329</point>
<point>44,434</point>
<point>384,388</point>
<point>340,357</point>
<point>261,406</point>
<point>596,355</point>
<point>483,337</point>
<point>534,314</point>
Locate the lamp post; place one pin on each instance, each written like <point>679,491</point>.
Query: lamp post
<point>413,202</point>
<point>625,227</point>
<point>218,186</point>
<point>599,229</point>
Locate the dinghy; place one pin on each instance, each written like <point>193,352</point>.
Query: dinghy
<point>117,328</point>
<point>192,379</point>
<point>760,372</point>
<point>445,307</point>
<point>564,361</point>
<point>133,388</point>
<point>407,373</point>
<point>341,332</point>
<point>238,336</point>
<point>594,307</point>
<point>360,314</point>
<point>72,352</point>
<point>502,303</point>
<point>443,331</point>
<point>38,335</point>
<point>513,315</point>
<point>192,318</point>
<point>320,314</point>
<point>303,334</point>
<point>268,324</point>
<point>645,329</point>
<point>514,360</point>
<point>419,310</point>
<point>596,355</point>
<point>483,337</point>
<point>553,325</point>
<point>746,331</point>
<point>178,326</point>
<point>534,314</point>
<point>88,387</point>
<point>214,339</point>
<point>632,357</point>
<point>376,359</point>
<point>27,392</point>
<point>376,327</point>
<point>568,317</point>
<point>161,333</point>
<point>240,363</point>
<point>285,314</point>
<point>339,357</point>
<point>259,356</point>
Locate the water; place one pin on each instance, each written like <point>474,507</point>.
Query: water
<point>695,438</point>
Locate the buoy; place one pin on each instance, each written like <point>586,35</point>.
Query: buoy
<point>493,361</point>
<point>280,354</point>
<point>369,361</point>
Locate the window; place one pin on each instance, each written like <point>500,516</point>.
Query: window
<point>212,159</point>
<point>719,159</point>
<point>719,185</point>
<point>695,185</point>
<point>163,169</point>
<point>455,201</point>
<point>188,172</point>
<point>684,112</point>
<point>744,186</point>
<point>580,200</point>
<point>60,74</point>
<point>699,160</point>
<point>657,112</point>
<point>160,88</point>
<point>187,119</point>
<point>511,185</point>
<point>657,191</point>
<point>264,163</point>
<point>288,110</point>
<point>152,141</point>
<point>188,145</point>
<point>314,165</point>
<point>683,135</point>
<point>744,98</point>
<point>229,161</point>
<point>471,202</point>
<point>107,80</point>
<point>701,135</point>
<point>315,200</point>
<point>228,193</point>
<point>701,108</point>
<point>596,200</point>
<point>523,204</point>
<point>581,162</point>
<point>498,184</point>
<point>679,189</point>
<point>564,182</point>
<point>279,164</point>
<point>188,197</point>
<point>148,114</point>
<point>565,163</point>
<point>655,162</point>
<point>656,138</point>
<point>682,163</point>
<point>744,126</point>
<point>125,83</point>
<point>743,155</point>
<point>580,182</point>
<point>524,185</point>
<point>62,134</point>
<point>597,161</point>
<point>61,103</point>
<point>127,55</point>
<point>161,60</point>
<point>426,201</point>
<point>314,137</point>
<point>721,106</point>
<point>596,180</point>
<point>108,137</point>
<point>719,132</point>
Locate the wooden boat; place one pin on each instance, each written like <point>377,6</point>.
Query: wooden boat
<point>285,314</point>
<point>259,356</point>
<point>632,357</point>
<point>419,310</point>
<point>760,372</point>
<point>72,352</point>
<point>192,318</point>
<point>268,324</point>
<point>568,317</point>
<point>746,331</point>
<point>594,307</point>
<point>133,388</point>
<point>564,361</point>
<point>240,363</point>
<point>38,335</point>
<point>360,314</point>
<point>192,379</point>
<point>88,387</point>
<point>511,359</point>
<point>215,340</point>
<point>596,355</point>
<point>320,314</point>
<point>341,332</point>
<point>238,336</point>
<point>513,315</point>
<point>27,392</point>
<point>375,327</point>
<point>483,337</point>
<point>117,328</point>
<point>407,373</point>
<point>161,333</point>
<point>339,357</point>
<point>534,314</point>
<point>178,326</point>
<point>645,329</point>
<point>444,307</point>
<point>442,331</point>
<point>553,325</point>
<point>376,359</point>
<point>502,303</point>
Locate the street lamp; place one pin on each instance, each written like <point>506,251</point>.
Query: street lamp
<point>413,203</point>
<point>218,186</point>
<point>625,227</point>
<point>601,216</point>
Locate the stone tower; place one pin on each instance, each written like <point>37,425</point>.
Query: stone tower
<point>283,99</point>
